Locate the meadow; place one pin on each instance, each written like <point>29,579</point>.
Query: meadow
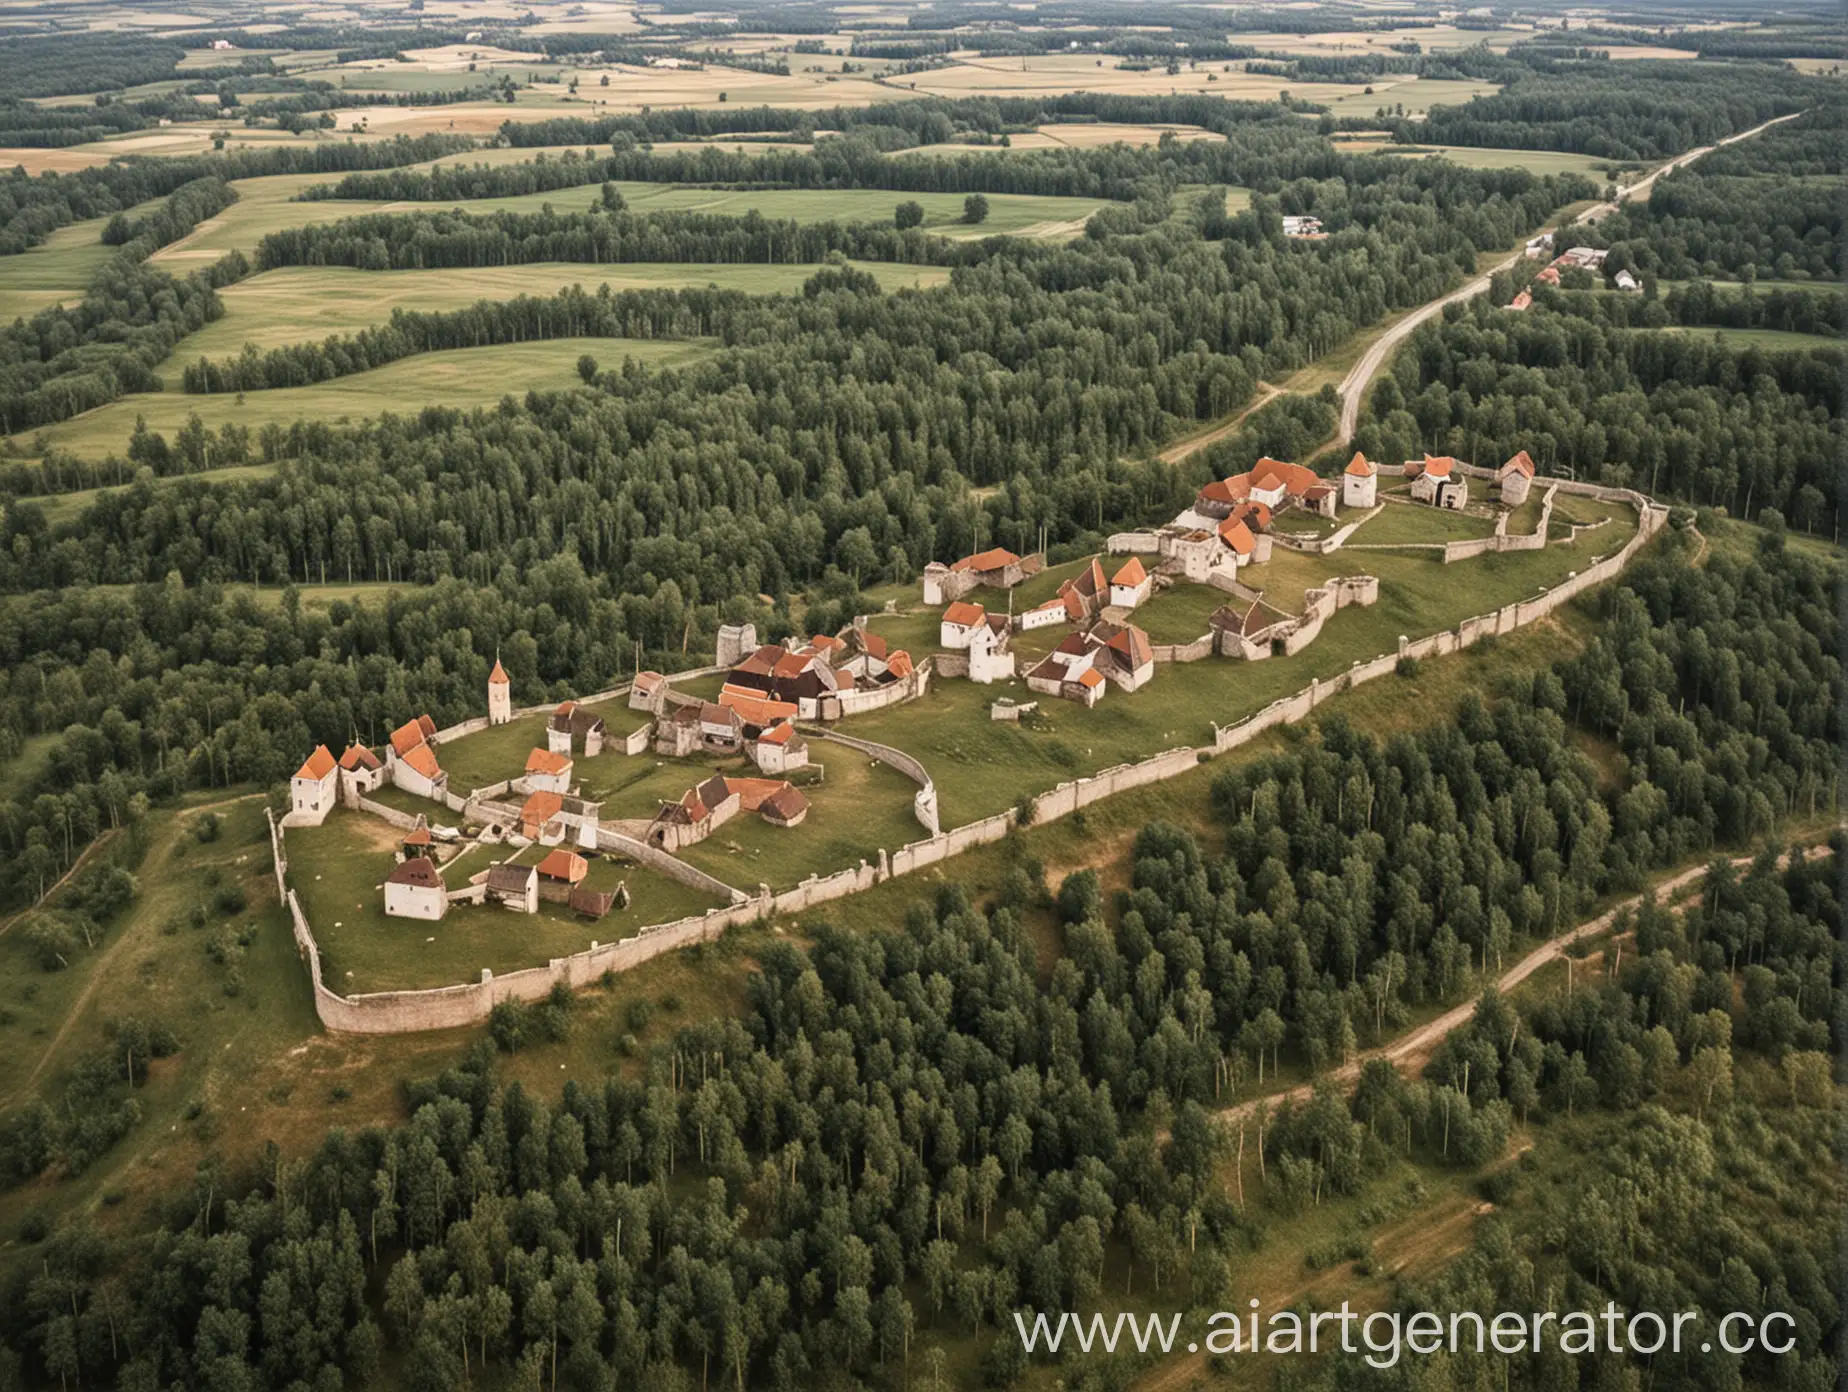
<point>460,377</point>
<point>1537,162</point>
<point>57,271</point>
<point>304,304</point>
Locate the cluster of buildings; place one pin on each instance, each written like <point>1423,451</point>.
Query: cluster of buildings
<point>416,889</point>
<point>704,808</point>
<point>1582,258</point>
<point>1083,662</point>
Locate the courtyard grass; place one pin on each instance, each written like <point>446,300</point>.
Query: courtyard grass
<point>1179,613</point>
<point>338,869</point>
<point>860,807</point>
<point>983,766</point>
<point>1418,525</point>
<point>492,755</point>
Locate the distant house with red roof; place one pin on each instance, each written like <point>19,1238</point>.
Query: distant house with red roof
<point>1521,301</point>
<point>997,568</point>
<point>411,760</point>
<point>1269,484</point>
<point>314,789</point>
<point>1515,478</point>
<point>559,873</point>
<point>548,772</point>
<point>1438,480</point>
<point>1124,654</point>
<point>777,748</point>
<point>959,621</point>
<point>1130,585</point>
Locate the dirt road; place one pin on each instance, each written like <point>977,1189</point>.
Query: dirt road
<point>1175,453</point>
<point>1411,1051</point>
<point>1354,385</point>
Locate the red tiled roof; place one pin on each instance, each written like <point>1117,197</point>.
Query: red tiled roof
<point>647,681</point>
<point>1132,573</point>
<point>995,558</point>
<point>1361,467</point>
<point>964,614</point>
<point>1521,463</point>
<point>1439,466</point>
<point>1090,676</point>
<point>1237,535</point>
<point>754,709</point>
<point>780,733</point>
<point>540,808</point>
<point>1133,644</point>
<point>792,665</point>
<point>416,871</point>
<point>898,663</point>
<point>423,760</point>
<point>1228,490</point>
<point>358,756</point>
<point>407,736</point>
<point>873,643</point>
<point>564,865</point>
<point>318,766</point>
<point>418,837</point>
<point>545,761</point>
<point>498,677</point>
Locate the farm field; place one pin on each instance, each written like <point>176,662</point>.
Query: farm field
<point>982,766</point>
<point>337,871</point>
<point>1776,340</point>
<point>1039,74</point>
<point>57,271</point>
<point>61,507</point>
<point>1541,162</point>
<point>305,304</point>
<point>460,377</point>
<point>264,206</point>
<point>1416,95</point>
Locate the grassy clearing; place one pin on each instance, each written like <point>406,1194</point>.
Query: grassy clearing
<point>460,377</point>
<point>231,1017</point>
<point>61,507</point>
<point>1537,162</point>
<point>1179,613</point>
<point>56,271</point>
<point>1415,523</point>
<point>491,755</point>
<point>983,766</point>
<point>305,304</point>
<point>1772,340</point>
<point>1523,520</point>
<point>337,871</point>
<point>1417,96</point>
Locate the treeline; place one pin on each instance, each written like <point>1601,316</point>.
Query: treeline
<point>1685,1159</point>
<point>912,1133</point>
<point>1697,224</point>
<point>57,65</point>
<point>68,359</point>
<point>644,314</point>
<point>427,241</point>
<point>188,206</point>
<point>929,122</point>
<point>34,206</point>
<point>1675,415</point>
<point>1703,304</point>
<point>1638,110</point>
<point>1814,143</point>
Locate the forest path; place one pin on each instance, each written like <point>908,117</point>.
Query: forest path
<point>1412,1050</point>
<point>1354,386</point>
<point>1178,451</point>
<point>111,949</point>
<point>62,880</point>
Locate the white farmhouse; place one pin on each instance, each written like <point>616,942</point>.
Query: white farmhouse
<point>415,890</point>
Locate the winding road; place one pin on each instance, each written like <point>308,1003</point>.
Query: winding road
<point>1354,385</point>
<point>1411,1050</point>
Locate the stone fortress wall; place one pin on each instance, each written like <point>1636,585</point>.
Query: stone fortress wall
<point>396,1012</point>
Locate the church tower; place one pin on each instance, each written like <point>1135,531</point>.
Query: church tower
<point>500,695</point>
